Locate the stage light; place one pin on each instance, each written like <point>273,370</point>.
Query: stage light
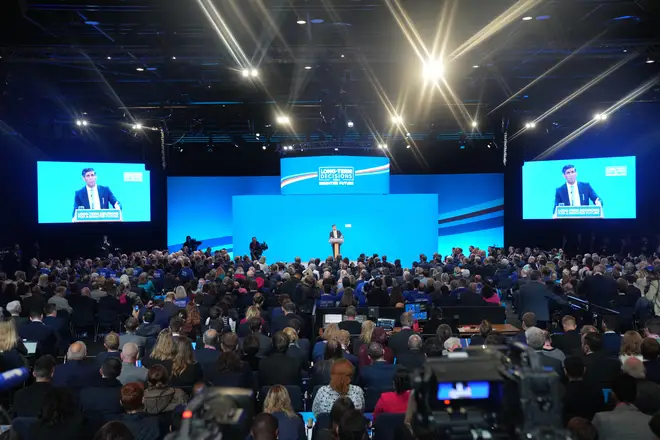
<point>474,124</point>
<point>600,116</point>
<point>246,73</point>
<point>407,135</point>
<point>476,66</point>
<point>137,126</point>
<point>140,69</point>
<point>109,58</point>
<point>254,73</point>
<point>382,146</point>
<point>263,147</point>
<point>342,55</point>
<point>301,22</point>
<point>257,135</point>
<point>79,122</point>
<point>308,67</point>
<point>408,146</point>
<point>336,149</point>
<point>350,124</point>
<point>396,119</point>
<point>283,119</point>
<point>526,18</point>
<point>174,58</point>
<point>650,61</point>
<point>433,70</point>
<point>530,125</point>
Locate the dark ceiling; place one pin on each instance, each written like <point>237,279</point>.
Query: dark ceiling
<point>63,58</point>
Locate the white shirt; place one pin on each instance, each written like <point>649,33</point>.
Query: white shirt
<point>334,234</point>
<point>573,194</point>
<point>93,197</point>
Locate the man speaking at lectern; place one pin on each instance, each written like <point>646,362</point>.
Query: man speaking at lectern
<point>574,193</point>
<point>93,196</point>
<point>335,233</point>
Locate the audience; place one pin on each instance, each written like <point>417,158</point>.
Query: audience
<point>601,369</point>
<point>130,372</point>
<point>581,399</point>
<point>340,385</point>
<point>395,401</point>
<point>650,352</point>
<point>630,346</point>
<point>163,352</point>
<point>159,397</point>
<point>648,393</point>
<point>415,357</point>
<point>100,403</point>
<point>341,406</point>
<point>625,421</point>
<point>28,401</point>
<point>264,427</point>
<point>58,418</point>
<point>111,344</point>
<point>278,368</point>
<point>142,425</point>
<point>290,424</point>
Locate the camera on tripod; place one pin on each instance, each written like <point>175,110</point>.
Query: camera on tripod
<point>490,392</point>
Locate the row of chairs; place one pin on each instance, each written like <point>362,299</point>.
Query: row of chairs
<point>301,401</point>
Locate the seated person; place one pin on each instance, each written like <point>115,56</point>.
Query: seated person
<point>278,403</point>
<point>28,401</point>
<point>396,401</point>
<point>341,375</point>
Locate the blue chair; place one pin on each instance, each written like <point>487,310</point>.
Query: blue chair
<point>22,425</point>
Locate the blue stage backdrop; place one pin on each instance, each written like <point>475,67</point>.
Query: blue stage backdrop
<point>335,175</point>
<point>57,183</point>
<point>470,210</point>
<point>612,179</point>
<point>299,226</point>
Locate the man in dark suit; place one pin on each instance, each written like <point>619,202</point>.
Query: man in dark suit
<point>601,368</point>
<point>600,289</point>
<point>62,331</point>
<point>112,350</point>
<point>469,297</point>
<point>208,354</point>
<point>379,375</point>
<point>131,326</point>
<point>350,324</point>
<point>535,296</point>
<point>148,328</point>
<point>611,336</point>
<point>414,358</point>
<point>570,341</point>
<point>536,339</point>
<point>28,401</point>
<point>36,330</point>
<point>581,399</point>
<point>169,307</point>
<point>336,248</point>
<point>651,352</point>
<point>93,196</point>
<point>399,341</point>
<point>574,193</point>
<point>75,372</point>
<point>84,308</point>
<point>278,368</point>
<point>265,343</point>
<point>283,321</point>
<point>101,403</point>
<point>377,296</point>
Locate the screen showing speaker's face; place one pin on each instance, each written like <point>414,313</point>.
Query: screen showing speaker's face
<point>602,188</point>
<point>86,192</point>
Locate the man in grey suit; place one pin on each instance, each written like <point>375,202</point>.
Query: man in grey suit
<point>534,297</point>
<point>129,371</point>
<point>131,325</point>
<point>625,421</point>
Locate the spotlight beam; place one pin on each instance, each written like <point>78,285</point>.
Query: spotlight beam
<point>221,28</point>
<point>616,106</point>
<point>578,92</point>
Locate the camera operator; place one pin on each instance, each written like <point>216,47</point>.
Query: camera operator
<point>191,244</point>
<point>257,249</point>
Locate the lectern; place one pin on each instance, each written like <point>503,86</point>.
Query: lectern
<point>336,244</point>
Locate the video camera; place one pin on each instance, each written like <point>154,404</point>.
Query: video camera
<point>490,392</point>
<point>216,413</point>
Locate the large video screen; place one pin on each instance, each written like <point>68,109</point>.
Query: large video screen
<point>335,175</point>
<point>87,192</point>
<point>603,188</point>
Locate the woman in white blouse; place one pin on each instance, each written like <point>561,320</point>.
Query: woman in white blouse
<point>341,374</point>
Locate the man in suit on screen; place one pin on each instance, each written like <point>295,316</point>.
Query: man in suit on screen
<point>335,233</point>
<point>575,193</point>
<point>93,196</point>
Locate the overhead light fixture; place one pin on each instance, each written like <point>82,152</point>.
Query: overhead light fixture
<point>174,58</point>
<point>433,70</point>
<point>257,134</point>
<point>246,73</point>
<point>336,149</point>
<point>382,146</point>
<point>650,60</point>
<point>543,17</point>
<point>530,125</point>
<point>140,69</point>
<point>254,73</point>
<point>476,66</point>
<point>109,58</point>
<point>308,67</point>
<point>527,18</point>
<point>301,22</point>
<point>137,126</point>
<point>396,119</point>
<point>282,119</point>
<point>600,116</point>
<point>474,124</point>
<point>316,20</point>
<point>407,135</point>
<point>263,147</point>
<point>407,146</point>
<point>342,55</point>
<point>350,124</point>
<point>81,122</point>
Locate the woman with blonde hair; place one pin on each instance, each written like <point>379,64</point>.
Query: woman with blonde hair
<point>290,425</point>
<point>163,351</point>
<point>341,375</point>
<point>12,349</point>
<point>331,332</point>
<point>185,370</point>
<point>298,348</point>
<point>43,281</point>
<point>631,346</point>
<point>365,336</point>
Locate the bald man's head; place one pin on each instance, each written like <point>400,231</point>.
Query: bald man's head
<point>129,353</point>
<point>634,368</point>
<point>77,351</point>
<point>85,291</point>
